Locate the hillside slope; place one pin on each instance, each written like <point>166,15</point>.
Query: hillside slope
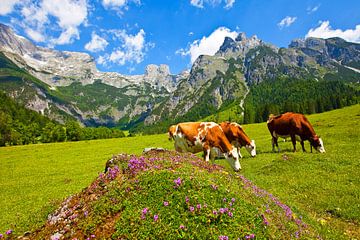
<point>171,195</point>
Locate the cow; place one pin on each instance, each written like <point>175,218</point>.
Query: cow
<point>297,127</point>
<point>238,138</point>
<point>195,137</point>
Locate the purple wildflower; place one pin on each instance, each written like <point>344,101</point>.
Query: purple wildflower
<point>214,212</point>
<point>86,213</point>
<point>166,204</point>
<point>297,235</point>
<point>223,238</point>
<point>191,208</point>
<point>224,199</point>
<point>156,217</point>
<point>182,226</point>
<point>251,236</point>
<point>1,236</point>
<point>233,200</point>
<point>177,182</point>
<point>214,186</point>
<point>230,214</point>
<point>145,211</point>
<point>8,232</point>
<point>92,236</point>
<point>187,199</point>
<point>198,206</point>
<point>265,221</point>
<point>223,210</point>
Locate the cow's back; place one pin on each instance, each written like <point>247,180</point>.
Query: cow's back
<point>290,123</point>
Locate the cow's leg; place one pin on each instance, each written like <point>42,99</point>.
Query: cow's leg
<point>275,142</point>
<point>238,149</point>
<point>302,145</point>
<point>293,140</point>
<point>207,152</point>
<point>310,148</point>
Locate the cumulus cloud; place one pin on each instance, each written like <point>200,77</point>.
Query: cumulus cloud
<point>286,22</point>
<point>207,45</point>
<point>35,35</point>
<point>7,6</point>
<point>61,17</point>
<point>132,48</point>
<point>326,31</point>
<point>213,3</point>
<point>96,44</point>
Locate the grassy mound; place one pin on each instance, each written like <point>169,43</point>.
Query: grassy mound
<point>164,194</point>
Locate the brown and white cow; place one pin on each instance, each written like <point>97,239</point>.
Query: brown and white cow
<point>238,138</point>
<point>195,137</point>
<point>297,127</point>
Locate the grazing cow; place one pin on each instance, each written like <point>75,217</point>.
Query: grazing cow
<point>238,138</point>
<point>297,127</point>
<point>195,137</point>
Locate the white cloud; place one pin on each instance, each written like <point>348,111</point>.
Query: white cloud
<point>132,48</point>
<point>59,17</point>
<point>118,4</point>
<point>67,36</point>
<point>96,44</point>
<point>326,31</point>
<point>213,3</point>
<point>286,22</point>
<point>229,4</point>
<point>311,10</point>
<point>207,45</point>
<point>7,6</point>
<point>35,35</point>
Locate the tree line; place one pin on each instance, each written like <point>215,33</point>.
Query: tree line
<point>19,126</point>
<point>293,95</point>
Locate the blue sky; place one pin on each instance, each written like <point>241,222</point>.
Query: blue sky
<point>126,35</point>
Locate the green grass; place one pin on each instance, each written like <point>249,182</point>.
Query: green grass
<point>34,177</point>
<point>323,188</point>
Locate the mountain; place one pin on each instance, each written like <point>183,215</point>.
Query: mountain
<point>233,84</point>
<point>73,86</point>
<point>223,85</point>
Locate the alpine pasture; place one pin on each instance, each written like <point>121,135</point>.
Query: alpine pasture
<point>324,189</point>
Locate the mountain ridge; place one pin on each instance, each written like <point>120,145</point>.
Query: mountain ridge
<point>214,83</point>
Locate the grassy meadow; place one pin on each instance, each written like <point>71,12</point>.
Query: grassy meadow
<point>324,188</point>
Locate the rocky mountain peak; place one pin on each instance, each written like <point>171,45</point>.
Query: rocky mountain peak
<point>153,70</point>
<point>11,42</point>
<point>238,47</point>
<point>297,43</point>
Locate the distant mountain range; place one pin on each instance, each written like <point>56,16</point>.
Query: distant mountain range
<point>67,85</point>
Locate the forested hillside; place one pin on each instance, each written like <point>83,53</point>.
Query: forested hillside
<point>296,95</point>
<point>19,125</point>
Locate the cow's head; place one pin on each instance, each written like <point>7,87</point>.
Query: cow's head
<point>251,148</point>
<point>171,132</point>
<point>232,158</point>
<point>318,144</point>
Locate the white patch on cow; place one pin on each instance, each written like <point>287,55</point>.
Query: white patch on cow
<point>209,125</point>
<point>236,125</point>
<point>251,148</point>
<point>321,147</point>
